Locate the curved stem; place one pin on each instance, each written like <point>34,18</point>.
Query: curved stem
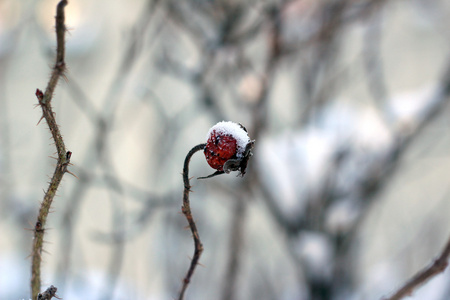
<point>186,209</point>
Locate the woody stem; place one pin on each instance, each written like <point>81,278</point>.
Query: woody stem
<point>63,156</point>
<point>186,209</point>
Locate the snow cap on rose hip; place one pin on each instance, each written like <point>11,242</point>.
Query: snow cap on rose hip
<point>228,148</point>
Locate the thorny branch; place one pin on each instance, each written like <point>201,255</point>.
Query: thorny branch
<point>438,266</point>
<point>63,156</point>
<point>186,209</point>
<point>60,65</point>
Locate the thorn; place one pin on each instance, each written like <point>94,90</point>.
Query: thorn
<point>72,174</point>
<point>63,76</point>
<point>40,120</point>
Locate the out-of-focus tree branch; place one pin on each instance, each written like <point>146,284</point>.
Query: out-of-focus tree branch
<point>438,266</point>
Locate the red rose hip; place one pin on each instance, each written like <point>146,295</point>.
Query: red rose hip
<point>228,147</point>
<point>219,148</point>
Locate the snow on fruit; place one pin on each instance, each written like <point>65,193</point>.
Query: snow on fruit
<point>228,148</point>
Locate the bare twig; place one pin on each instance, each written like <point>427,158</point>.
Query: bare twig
<point>63,156</point>
<point>186,209</point>
<point>438,266</point>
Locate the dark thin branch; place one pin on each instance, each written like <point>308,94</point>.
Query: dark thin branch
<point>235,249</point>
<point>63,156</point>
<point>437,267</point>
<point>186,209</point>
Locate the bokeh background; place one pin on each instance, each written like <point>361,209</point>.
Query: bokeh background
<point>346,195</point>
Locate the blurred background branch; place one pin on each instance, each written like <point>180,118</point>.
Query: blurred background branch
<point>345,197</point>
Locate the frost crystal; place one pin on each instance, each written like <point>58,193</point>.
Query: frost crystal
<point>234,130</point>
